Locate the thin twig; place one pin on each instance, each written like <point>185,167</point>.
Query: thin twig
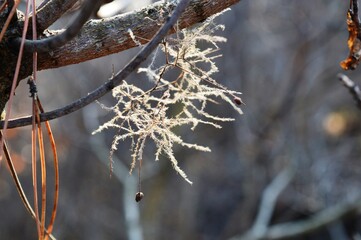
<point>18,185</point>
<point>16,75</point>
<point>3,5</point>
<point>34,174</point>
<point>352,87</point>
<point>16,179</point>
<point>56,173</point>
<point>43,171</point>
<point>51,43</point>
<point>43,178</point>
<point>354,9</point>
<point>8,20</point>
<point>112,83</point>
<point>37,133</point>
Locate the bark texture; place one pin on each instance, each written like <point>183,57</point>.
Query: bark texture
<point>99,38</point>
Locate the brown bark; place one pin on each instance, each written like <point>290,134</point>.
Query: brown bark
<point>52,11</point>
<point>103,37</point>
<point>97,38</point>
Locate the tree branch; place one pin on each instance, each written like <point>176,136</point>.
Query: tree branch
<point>116,80</point>
<point>318,221</point>
<point>112,83</point>
<point>268,203</point>
<point>352,87</point>
<point>100,38</point>
<point>51,43</point>
<point>300,228</point>
<point>51,11</point>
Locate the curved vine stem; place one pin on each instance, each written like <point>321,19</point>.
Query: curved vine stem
<point>112,83</point>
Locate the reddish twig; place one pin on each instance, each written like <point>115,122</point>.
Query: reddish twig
<point>34,171</point>
<point>3,6</point>
<point>16,75</point>
<point>43,171</point>
<point>7,22</point>
<point>37,133</point>
<point>18,185</point>
<point>56,173</point>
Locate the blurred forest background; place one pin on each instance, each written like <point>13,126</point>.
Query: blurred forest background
<point>284,56</point>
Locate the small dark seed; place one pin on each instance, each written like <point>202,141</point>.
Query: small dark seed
<point>237,101</point>
<point>139,196</point>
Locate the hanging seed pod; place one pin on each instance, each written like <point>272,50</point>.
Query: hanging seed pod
<point>238,101</point>
<point>139,196</point>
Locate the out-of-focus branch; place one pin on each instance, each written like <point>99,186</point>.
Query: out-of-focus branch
<point>318,221</point>
<point>129,183</point>
<point>115,81</point>
<point>268,203</point>
<point>120,171</point>
<point>269,200</point>
<point>51,43</point>
<point>352,87</point>
<point>100,38</point>
<point>51,10</point>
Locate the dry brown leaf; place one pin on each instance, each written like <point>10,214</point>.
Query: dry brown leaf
<point>353,42</point>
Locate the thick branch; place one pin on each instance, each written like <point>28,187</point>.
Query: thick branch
<point>116,80</point>
<point>54,42</point>
<point>51,11</point>
<point>99,38</point>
